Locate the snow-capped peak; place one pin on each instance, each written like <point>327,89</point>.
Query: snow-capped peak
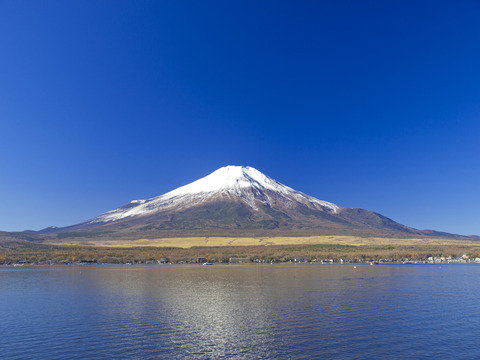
<point>230,182</point>
<point>229,177</point>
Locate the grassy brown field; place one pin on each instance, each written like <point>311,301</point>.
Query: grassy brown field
<point>188,242</point>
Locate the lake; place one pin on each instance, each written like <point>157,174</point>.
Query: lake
<point>291,311</point>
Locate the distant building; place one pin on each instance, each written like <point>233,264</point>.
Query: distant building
<point>239,260</point>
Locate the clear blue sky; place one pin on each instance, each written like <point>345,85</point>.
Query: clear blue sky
<point>371,104</point>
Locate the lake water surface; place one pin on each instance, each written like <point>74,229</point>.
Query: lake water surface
<point>242,312</point>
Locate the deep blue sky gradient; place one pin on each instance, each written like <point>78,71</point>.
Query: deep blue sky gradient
<point>371,104</point>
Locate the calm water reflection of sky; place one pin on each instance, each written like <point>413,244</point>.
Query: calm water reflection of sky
<point>257,311</point>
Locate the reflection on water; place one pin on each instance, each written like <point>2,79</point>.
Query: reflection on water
<point>254,311</point>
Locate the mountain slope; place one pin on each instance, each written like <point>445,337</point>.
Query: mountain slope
<point>230,183</point>
<point>237,200</point>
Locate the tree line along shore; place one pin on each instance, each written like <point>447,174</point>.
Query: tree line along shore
<point>333,253</point>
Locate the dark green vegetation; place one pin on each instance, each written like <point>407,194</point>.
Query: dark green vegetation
<point>73,234</point>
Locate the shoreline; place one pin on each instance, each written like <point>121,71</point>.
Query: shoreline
<point>366,264</point>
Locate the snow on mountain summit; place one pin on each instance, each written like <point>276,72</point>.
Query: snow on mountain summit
<point>242,183</point>
<point>230,177</point>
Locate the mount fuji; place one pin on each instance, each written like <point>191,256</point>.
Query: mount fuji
<point>237,200</point>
